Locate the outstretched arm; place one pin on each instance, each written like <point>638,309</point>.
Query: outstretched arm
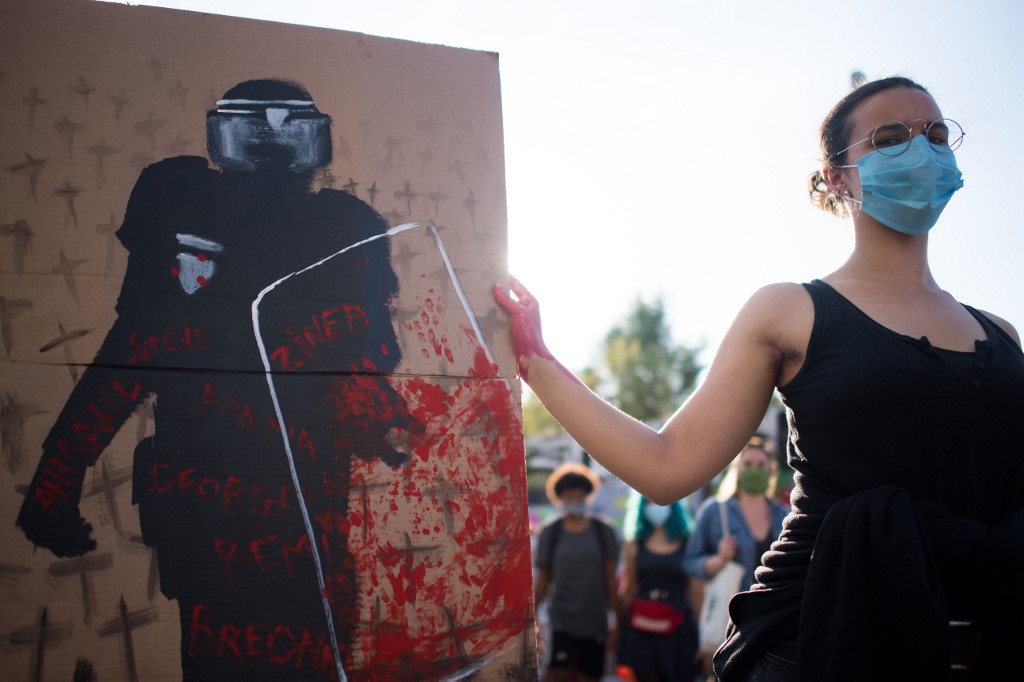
<point>701,546</point>
<point>766,340</point>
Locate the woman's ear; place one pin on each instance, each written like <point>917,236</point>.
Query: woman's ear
<point>835,179</point>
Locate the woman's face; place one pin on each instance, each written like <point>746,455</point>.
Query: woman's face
<point>909,105</point>
<point>755,458</point>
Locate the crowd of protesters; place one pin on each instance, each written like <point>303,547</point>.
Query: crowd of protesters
<point>629,601</point>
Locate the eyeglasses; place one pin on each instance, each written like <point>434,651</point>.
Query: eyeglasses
<point>892,138</point>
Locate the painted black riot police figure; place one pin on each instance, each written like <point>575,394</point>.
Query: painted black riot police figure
<point>231,273</point>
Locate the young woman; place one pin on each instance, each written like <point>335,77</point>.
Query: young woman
<point>903,404</point>
<point>661,645</point>
<point>754,519</point>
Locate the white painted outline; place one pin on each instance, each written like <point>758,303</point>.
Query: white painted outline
<point>459,292</point>
<point>300,498</point>
<point>289,102</point>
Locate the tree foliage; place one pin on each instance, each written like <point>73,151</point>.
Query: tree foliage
<point>643,372</point>
<point>646,374</point>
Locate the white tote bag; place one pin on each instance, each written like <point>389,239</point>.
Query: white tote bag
<point>714,612</point>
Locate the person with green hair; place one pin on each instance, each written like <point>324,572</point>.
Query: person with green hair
<point>659,628</point>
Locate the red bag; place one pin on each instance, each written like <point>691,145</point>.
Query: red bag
<point>654,617</point>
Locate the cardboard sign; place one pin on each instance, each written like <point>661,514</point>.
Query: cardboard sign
<point>257,413</point>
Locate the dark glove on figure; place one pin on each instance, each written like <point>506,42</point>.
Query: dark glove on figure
<point>59,527</point>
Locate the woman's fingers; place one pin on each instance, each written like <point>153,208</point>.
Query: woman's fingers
<point>523,297</point>
<point>503,298</point>
<point>524,324</point>
<point>521,292</point>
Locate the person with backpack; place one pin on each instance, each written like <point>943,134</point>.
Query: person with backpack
<point>577,556</point>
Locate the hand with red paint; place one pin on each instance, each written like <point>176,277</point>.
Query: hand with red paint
<point>524,325</point>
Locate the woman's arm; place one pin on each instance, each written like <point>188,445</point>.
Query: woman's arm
<point>717,561</point>
<point>708,430</point>
<point>708,550</point>
<point>701,544</point>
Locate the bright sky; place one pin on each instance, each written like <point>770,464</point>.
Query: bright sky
<point>663,146</point>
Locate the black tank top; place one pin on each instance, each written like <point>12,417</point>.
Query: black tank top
<point>873,407</point>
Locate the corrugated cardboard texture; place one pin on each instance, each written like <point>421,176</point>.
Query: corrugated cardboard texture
<point>369,489</point>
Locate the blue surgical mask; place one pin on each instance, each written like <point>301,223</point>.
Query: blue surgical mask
<point>656,514</point>
<point>576,509</point>
<point>908,192</point>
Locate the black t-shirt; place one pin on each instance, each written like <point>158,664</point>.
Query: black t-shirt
<point>577,599</point>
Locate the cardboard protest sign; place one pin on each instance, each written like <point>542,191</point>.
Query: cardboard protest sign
<point>257,421</point>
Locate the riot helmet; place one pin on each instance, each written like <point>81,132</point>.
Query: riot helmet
<point>268,124</point>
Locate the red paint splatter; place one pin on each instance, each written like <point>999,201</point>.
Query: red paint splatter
<point>442,545</point>
<point>482,367</point>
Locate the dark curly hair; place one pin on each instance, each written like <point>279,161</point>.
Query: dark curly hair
<point>834,138</point>
<point>571,477</point>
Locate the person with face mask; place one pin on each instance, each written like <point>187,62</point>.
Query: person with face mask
<point>577,555</point>
<point>901,555</point>
<point>659,629</point>
<point>739,523</point>
<point>754,518</point>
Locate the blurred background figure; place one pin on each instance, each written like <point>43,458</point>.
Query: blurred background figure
<point>576,560</point>
<point>753,519</point>
<point>658,625</point>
